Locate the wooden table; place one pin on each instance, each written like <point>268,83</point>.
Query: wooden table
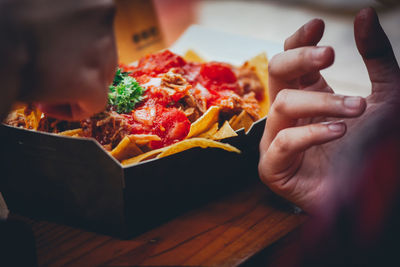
<point>226,232</point>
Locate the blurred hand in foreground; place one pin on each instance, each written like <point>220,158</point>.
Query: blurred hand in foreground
<point>61,56</point>
<point>302,131</point>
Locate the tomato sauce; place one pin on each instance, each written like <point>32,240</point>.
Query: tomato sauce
<point>157,113</point>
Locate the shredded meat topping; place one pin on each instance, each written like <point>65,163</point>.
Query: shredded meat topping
<point>192,107</point>
<point>233,104</point>
<point>173,80</point>
<point>108,127</point>
<point>249,81</point>
<point>250,104</point>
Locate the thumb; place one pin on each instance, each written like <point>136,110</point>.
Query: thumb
<point>375,48</point>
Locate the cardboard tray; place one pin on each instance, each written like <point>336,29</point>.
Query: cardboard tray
<point>76,182</point>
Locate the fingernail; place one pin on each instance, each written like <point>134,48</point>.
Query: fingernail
<point>318,52</point>
<point>352,102</point>
<point>337,126</point>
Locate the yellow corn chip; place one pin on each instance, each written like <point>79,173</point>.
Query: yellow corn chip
<point>74,132</point>
<point>190,55</point>
<point>205,122</point>
<point>195,142</point>
<point>232,119</point>
<point>211,132</point>
<point>225,131</point>
<point>32,120</point>
<point>148,155</point>
<point>125,149</point>
<point>143,139</point>
<point>243,120</point>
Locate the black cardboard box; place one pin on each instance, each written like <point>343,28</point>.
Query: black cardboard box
<point>76,182</point>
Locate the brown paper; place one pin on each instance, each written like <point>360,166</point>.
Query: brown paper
<point>136,29</point>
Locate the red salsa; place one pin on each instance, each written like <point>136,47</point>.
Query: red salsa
<point>159,112</point>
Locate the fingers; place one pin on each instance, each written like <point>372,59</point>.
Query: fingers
<point>301,61</point>
<point>69,112</point>
<point>291,142</point>
<point>299,66</point>
<point>318,84</point>
<point>291,105</point>
<point>62,111</point>
<point>296,63</point>
<point>375,48</point>
<point>75,110</point>
<point>308,35</point>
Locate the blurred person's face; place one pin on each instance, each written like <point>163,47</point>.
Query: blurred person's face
<point>72,55</point>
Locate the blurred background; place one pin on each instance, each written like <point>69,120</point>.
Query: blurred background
<point>274,21</point>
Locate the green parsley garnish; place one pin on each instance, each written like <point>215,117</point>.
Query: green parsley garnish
<point>125,92</point>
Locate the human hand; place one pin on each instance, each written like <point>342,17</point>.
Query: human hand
<point>301,135</point>
<point>72,56</point>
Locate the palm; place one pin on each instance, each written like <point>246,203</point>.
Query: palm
<point>297,150</point>
<point>311,168</point>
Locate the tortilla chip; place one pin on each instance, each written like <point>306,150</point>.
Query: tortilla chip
<point>260,65</point>
<point>190,55</point>
<point>148,155</point>
<point>196,142</point>
<point>74,132</point>
<point>33,119</point>
<point>225,131</point>
<point>243,120</point>
<point>211,132</point>
<point>205,122</point>
<point>232,119</point>
<point>126,149</point>
<point>143,139</point>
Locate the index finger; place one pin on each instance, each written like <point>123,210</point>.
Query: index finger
<point>306,62</point>
<point>292,105</point>
<point>308,35</point>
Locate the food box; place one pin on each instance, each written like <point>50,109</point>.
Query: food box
<point>76,182</point>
